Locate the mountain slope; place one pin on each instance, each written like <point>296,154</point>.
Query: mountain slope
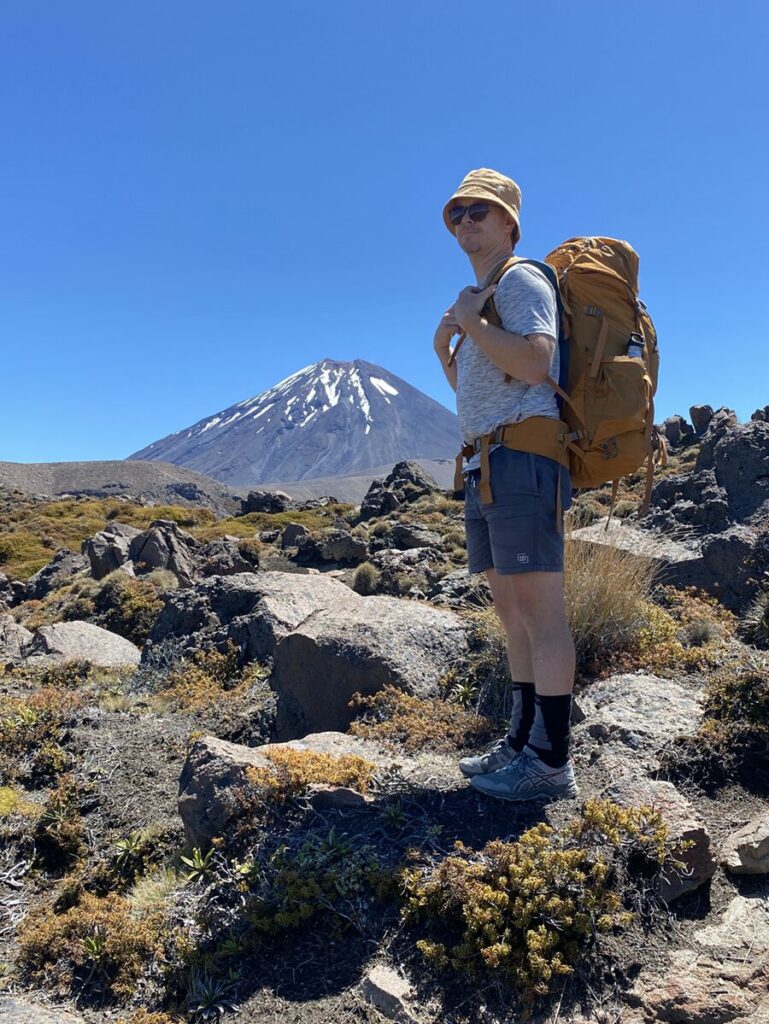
<point>329,419</point>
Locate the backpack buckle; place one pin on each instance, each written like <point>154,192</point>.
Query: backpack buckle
<point>593,311</point>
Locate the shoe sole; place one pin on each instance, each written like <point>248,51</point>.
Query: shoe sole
<point>550,794</point>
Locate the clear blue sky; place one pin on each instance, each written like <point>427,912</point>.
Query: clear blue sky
<point>198,199</point>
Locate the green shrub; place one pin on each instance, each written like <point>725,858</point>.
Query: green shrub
<point>531,909</point>
<point>732,742</point>
<point>365,579</point>
<point>325,875</point>
<point>128,606</point>
<point>398,719</point>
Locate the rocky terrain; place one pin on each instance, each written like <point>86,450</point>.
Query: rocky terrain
<point>229,743</point>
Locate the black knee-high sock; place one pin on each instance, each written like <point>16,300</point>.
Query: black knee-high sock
<point>522,715</point>
<point>549,736</point>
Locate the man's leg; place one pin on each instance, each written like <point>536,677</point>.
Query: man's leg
<point>544,769</point>
<point>519,659</point>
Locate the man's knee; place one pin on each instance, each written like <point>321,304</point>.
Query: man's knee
<point>539,600</point>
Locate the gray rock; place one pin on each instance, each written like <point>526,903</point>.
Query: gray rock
<point>633,716</point>
<point>340,546</point>
<point>412,535</point>
<point>286,600</point>
<point>266,501</point>
<point>727,559</point>
<point>108,549</point>
<point>683,825</point>
<point>743,925</point>
<point>335,798</point>
<point>214,777</point>
<point>390,993</point>
<point>13,638</point>
<point>677,430</point>
<point>374,642</point>
<point>11,591</point>
<point>406,482</point>
<point>693,499</point>
<point>83,641</point>
<point>63,566</point>
<point>722,421</point>
<point>254,610</point>
<point>678,562</point>
<point>761,414</point>
<point>741,463</point>
<point>700,415</point>
<point>222,557</point>
<point>164,545</point>
<point>746,851</point>
<point>291,533</point>
<point>19,1010</point>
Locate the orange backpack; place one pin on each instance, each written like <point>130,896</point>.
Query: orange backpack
<point>605,394</point>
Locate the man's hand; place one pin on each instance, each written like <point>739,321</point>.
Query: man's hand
<point>469,304</point>
<point>445,331</point>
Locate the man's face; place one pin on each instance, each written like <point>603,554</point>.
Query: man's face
<point>489,233</point>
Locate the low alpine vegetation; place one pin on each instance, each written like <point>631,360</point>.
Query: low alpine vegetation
<point>399,719</point>
<point>530,910</point>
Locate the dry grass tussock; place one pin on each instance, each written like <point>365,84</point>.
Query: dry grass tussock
<point>607,600</point>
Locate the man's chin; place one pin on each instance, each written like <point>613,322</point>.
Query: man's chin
<point>470,244</point>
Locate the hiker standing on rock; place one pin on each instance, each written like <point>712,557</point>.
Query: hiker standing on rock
<point>516,480</point>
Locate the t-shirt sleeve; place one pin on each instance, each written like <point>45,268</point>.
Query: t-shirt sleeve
<point>526,303</point>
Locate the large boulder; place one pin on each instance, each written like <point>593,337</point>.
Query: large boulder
<point>691,500</point>
<point>622,716</point>
<point>406,482</point>
<point>700,415</point>
<point>698,862</point>
<point>253,610</point>
<point>164,545</point>
<point>214,777</point>
<point>63,566</point>
<point>413,535</point>
<point>677,430</point>
<point>371,643</point>
<point>224,556</point>
<point>82,641</point>
<point>108,550</point>
<point>721,423</point>
<point>459,589</point>
<point>741,463</point>
<point>13,639</point>
<point>728,559</point>
<point>266,501</point>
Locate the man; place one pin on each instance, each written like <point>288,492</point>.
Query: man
<point>516,539</point>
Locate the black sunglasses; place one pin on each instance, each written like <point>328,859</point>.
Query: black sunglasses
<point>476,212</point>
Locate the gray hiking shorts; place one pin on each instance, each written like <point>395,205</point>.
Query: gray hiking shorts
<point>517,532</point>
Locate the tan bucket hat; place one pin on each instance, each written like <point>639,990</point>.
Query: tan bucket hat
<point>491,186</point>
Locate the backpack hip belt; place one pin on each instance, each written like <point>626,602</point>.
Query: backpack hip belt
<point>539,435</point>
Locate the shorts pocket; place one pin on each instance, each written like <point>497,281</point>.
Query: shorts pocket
<point>513,474</point>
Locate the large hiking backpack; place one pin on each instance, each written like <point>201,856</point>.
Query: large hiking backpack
<point>605,395</point>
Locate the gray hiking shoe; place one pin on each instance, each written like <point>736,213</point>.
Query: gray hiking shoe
<point>497,756</point>
<point>528,778</point>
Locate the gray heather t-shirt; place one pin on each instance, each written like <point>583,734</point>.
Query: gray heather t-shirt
<point>526,304</point>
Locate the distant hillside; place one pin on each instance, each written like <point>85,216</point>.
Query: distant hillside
<point>155,482</point>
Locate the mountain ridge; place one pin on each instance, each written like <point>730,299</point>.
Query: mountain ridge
<point>331,418</point>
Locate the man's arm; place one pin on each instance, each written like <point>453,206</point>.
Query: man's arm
<point>447,328</point>
<point>525,356</point>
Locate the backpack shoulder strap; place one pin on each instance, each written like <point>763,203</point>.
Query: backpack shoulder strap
<point>562,340</point>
